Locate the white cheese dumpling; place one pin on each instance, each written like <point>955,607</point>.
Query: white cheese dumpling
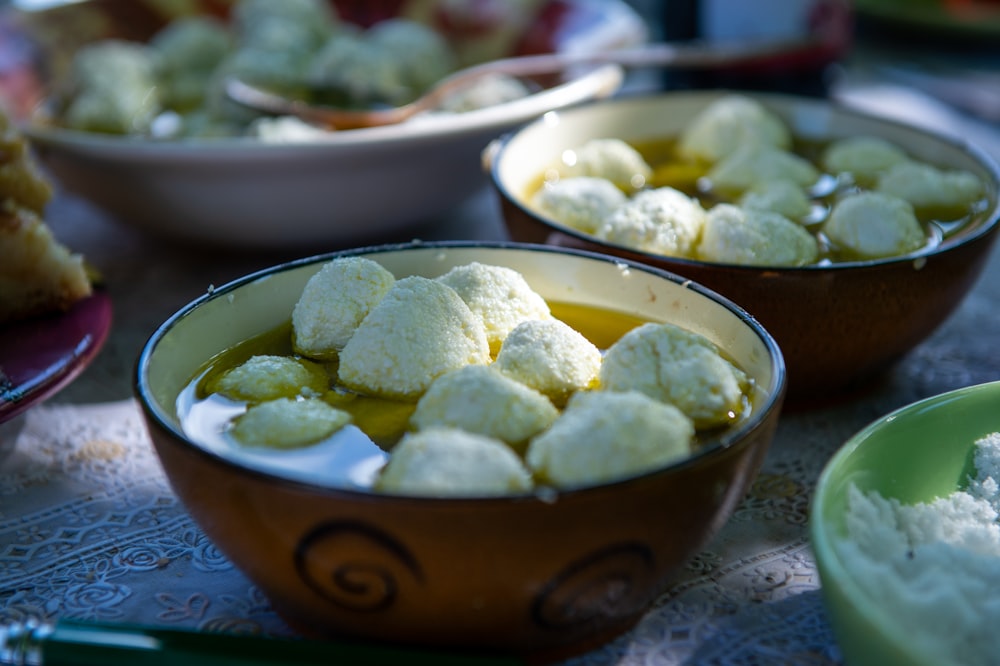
<point>779,196</point>
<point>423,54</point>
<point>363,70</point>
<point>551,357</point>
<point>751,165</point>
<point>189,49</point>
<point>582,203</point>
<point>447,462</point>
<point>864,157</point>
<point>267,376</point>
<point>611,159</point>
<point>605,436</point>
<point>662,221</point>
<point>115,88</point>
<point>872,224</point>
<point>673,365</point>
<point>479,399</point>
<point>334,302</point>
<point>733,235</point>
<point>267,25</point>
<point>927,186</point>
<point>728,123</point>
<point>286,423</point>
<point>500,296</point>
<point>420,330</point>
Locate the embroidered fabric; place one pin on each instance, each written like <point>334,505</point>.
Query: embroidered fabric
<point>90,529</point>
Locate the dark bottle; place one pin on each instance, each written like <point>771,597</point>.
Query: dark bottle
<point>809,38</point>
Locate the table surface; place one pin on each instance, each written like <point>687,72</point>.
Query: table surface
<point>89,528</point>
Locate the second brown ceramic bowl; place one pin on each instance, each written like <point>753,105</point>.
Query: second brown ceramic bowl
<point>838,325</point>
<point>544,574</point>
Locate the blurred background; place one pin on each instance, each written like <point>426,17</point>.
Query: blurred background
<point>946,49</point>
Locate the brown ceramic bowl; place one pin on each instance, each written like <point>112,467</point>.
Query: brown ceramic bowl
<point>837,325</point>
<point>537,575</point>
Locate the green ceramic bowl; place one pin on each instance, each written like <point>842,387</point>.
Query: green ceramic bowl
<point>914,454</point>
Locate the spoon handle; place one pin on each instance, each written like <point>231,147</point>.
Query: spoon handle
<point>661,54</point>
<point>689,55</point>
<point>75,643</point>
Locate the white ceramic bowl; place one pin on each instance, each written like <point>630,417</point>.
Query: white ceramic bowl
<point>351,187</point>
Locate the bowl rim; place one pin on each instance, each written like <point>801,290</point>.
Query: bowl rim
<point>821,533</point>
<point>770,404</point>
<point>597,82</point>
<point>494,155</point>
<point>618,24</point>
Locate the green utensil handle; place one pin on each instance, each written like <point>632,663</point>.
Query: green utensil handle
<point>76,643</point>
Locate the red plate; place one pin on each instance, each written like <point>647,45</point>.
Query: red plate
<point>40,356</point>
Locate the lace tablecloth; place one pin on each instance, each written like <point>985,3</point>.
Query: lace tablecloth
<point>89,527</point>
<point>91,530</point>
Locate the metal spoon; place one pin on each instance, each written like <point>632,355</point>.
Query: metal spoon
<point>680,56</point>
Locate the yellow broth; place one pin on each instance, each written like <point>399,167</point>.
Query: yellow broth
<point>688,176</point>
<point>352,456</point>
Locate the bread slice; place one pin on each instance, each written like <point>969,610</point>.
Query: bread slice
<point>38,274</point>
<point>20,180</point>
